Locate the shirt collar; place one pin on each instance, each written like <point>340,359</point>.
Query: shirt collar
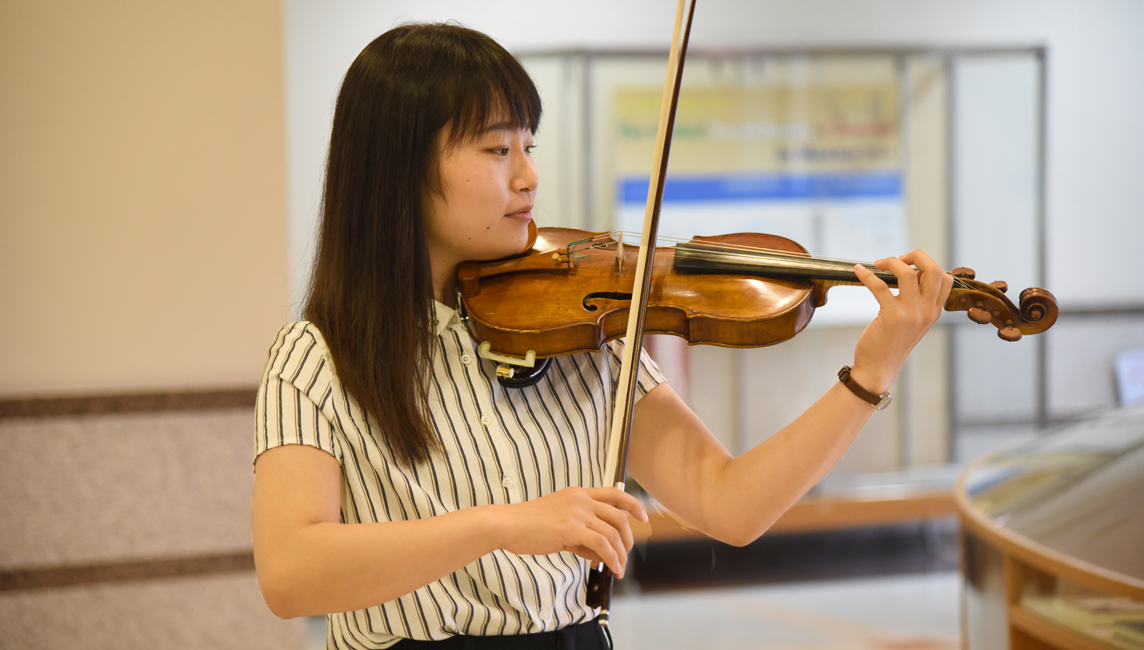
<point>445,317</point>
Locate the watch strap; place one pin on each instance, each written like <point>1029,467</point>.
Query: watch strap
<point>879,402</point>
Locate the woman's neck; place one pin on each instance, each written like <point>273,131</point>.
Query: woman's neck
<point>445,284</point>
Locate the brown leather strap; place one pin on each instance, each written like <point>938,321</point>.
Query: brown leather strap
<point>879,402</point>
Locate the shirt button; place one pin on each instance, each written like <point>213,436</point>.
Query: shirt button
<point>486,420</point>
<point>466,359</point>
<point>507,482</point>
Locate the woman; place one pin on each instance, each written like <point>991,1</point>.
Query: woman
<point>400,489</point>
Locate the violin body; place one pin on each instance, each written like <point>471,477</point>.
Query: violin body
<point>571,291</point>
<point>557,302</point>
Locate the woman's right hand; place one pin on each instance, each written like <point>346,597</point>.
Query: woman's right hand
<point>590,522</point>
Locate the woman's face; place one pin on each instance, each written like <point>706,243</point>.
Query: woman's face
<point>488,187</point>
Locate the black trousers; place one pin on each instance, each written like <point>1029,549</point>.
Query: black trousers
<point>583,636</point>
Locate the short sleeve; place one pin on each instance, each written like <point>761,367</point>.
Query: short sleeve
<point>649,375</point>
<point>295,388</point>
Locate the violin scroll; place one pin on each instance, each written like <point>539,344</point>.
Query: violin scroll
<point>987,303</point>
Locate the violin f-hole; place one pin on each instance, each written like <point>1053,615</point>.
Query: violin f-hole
<point>606,295</point>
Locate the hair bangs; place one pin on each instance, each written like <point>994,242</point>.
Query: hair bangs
<point>494,89</point>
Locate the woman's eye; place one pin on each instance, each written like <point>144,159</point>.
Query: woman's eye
<point>500,151</point>
<point>530,148</point>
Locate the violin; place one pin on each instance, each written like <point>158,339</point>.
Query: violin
<point>571,292</point>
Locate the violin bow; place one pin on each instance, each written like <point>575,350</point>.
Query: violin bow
<point>600,579</point>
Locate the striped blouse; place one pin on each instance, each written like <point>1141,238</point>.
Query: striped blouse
<point>501,446</point>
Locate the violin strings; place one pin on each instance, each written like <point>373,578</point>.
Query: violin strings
<point>756,249</point>
<point>957,282</point>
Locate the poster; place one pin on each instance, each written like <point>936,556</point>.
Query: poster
<point>817,162</point>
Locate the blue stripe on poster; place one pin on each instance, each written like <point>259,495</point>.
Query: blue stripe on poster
<point>766,187</point>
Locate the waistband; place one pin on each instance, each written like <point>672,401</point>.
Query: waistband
<point>589,635</point>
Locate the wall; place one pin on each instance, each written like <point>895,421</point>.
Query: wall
<point>144,243</point>
<point>1094,94</point>
<point>142,194</point>
<point>142,250</point>
<point>142,186</point>
<point>1095,90</point>
<point>131,530</point>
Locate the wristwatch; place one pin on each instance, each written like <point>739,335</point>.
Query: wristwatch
<point>879,402</point>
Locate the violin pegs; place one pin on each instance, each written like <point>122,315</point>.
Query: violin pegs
<point>963,272</point>
<point>1000,285</point>
<point>1009,333</point>
<point>978,315</point>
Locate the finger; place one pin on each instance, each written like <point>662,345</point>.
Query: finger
<point>922,260</point>
<point>930,274</point>
<point>587,554</point>
<point>943,291</point>
<point>620,499</point>
<point>617,519</point>
<point>615,539</point>
<point>599,544</point>
<point>907,277</point>
<point>876,285</point>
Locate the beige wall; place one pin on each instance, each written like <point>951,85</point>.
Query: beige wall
<point>142,194</point>
<point>86,493</point>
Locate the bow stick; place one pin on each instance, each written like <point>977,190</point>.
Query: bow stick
<point>601,578</point>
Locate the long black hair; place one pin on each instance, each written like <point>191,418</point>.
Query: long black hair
<point>371,292</point>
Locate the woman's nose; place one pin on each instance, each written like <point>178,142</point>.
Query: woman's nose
<point>526,178</point>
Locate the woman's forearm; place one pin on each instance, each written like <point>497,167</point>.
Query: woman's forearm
<point>327,567</point>
<point>756,488</point>
<point>677,459</point>
<point>308,562</point>
<point>736,500</point>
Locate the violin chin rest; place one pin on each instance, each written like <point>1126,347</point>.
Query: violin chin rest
<point>525,377</point>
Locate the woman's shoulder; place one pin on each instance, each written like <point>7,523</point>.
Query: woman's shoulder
<point>302,330</point>
<point>300,350</point>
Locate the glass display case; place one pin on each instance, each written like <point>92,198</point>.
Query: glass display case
<point>1053,539</point>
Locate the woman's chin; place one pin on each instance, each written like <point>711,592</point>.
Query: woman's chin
<point>519,241</point>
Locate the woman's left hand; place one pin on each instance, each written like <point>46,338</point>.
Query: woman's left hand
<point>902,319</point>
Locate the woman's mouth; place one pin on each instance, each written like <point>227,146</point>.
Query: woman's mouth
<point>524,213</point>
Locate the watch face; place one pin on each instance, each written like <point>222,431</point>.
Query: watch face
<point>884,402</point>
